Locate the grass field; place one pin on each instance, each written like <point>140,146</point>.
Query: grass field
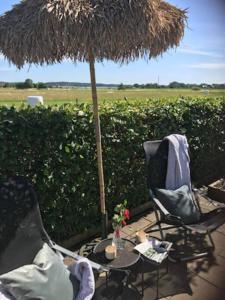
<point>10,96</point>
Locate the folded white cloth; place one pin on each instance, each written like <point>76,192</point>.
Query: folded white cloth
<point>4,295</point>
<point>178,170</point>
<point>82,270</point>
<point>84,273</point>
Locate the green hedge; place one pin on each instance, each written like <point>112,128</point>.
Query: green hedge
<point>54,147</point>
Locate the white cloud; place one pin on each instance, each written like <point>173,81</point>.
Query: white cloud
<point>199,52</point>
<point>209,66</point>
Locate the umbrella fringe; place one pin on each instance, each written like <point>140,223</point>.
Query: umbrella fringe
<point>48,31</point>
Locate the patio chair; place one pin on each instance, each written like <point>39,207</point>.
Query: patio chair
<point>22,234</point>
<point>156,161</point>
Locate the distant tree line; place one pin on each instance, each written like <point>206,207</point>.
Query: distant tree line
<point>171,85</point>
<point>27,84</point>
<point>59,84</point>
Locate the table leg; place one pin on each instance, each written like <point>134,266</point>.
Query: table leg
<point>106,279</point>
<point>157,284</point>
<point>142,283</point>
<point>142,277</point>
<point>167,266</point>
<point>125,283</point>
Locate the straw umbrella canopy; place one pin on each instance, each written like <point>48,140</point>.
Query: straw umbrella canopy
<point>48,31</point>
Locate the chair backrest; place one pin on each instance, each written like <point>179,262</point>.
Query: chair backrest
<point>156,153</point>
<point>21,229</point>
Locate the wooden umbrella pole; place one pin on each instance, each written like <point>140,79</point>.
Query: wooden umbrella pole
<point>99,145</point>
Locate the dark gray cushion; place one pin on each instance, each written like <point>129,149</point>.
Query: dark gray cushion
<point>179,203</point>
<point>46,279</point>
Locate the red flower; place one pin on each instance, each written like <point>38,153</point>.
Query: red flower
<point>124,223</point>
<point>126,214</point>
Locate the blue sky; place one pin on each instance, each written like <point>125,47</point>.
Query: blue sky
<point>199,58</point>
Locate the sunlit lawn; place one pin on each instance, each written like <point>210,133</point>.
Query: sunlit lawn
<point>10,96</point>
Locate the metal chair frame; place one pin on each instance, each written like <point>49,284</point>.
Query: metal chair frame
<point>29,222</point>
<point>164,217</point>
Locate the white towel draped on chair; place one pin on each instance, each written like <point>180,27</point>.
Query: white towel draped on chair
<point>83,272</point>
<point>178,171</point>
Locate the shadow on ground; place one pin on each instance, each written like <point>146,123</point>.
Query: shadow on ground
<point>173,281</point>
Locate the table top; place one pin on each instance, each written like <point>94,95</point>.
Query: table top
<point>125,258</point>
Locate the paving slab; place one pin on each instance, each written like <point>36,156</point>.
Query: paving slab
<point>221,229</point>
<point>210,204</point>
<point>211,269</point>
<point>222,253</point>
<point>219,241</point>
<point>201,290</point>
<point>150,217</point>
<point>141,224</point>
<point>173,282</point>
<point>128,230</point>
<point>122,235</point>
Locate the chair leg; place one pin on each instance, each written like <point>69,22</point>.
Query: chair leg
<point>199,255</point>
<point>211,240</point>
<point>185,237</point>
<point>186,231</point>
<point>159,225</point>
<point>194,256</point>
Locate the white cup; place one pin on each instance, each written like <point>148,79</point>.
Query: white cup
<point>141,236</point>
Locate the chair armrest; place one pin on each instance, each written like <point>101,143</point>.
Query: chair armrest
<point>194,190</point>
<point>175,220</point>
<point>75,256</point>
<point>197,192</point>
<point>161,207</point>
<point>168,216</point>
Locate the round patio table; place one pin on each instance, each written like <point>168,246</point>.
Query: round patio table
<point>125,258</point>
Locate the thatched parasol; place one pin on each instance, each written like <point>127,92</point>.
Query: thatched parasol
<point>48,31</point>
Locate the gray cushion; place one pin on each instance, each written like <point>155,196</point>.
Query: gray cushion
<point>179,203</point>
<point>46,279</point>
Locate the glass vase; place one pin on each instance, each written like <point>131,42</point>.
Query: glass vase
<point>117,240</point>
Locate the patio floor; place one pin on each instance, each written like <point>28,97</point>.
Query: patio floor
<point>201,279</point>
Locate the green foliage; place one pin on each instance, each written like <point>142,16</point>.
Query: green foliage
<point>20,85</point>
<point>27,84</point>
<point>41,85</point>
<point>171,85</point>
<point>121,214</point>
<point>177,85</point>
<point>54,147</point>
<point>121,87</point>
<point>6,85</point>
